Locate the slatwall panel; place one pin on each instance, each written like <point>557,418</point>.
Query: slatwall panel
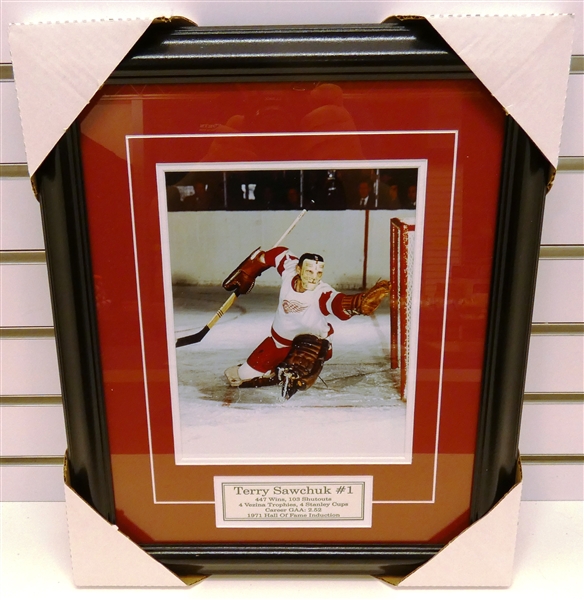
<point>32,430</point>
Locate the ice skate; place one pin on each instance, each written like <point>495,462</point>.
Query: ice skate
<point>232,374</point>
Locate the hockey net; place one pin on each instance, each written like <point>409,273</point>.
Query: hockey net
<point>401,274</point>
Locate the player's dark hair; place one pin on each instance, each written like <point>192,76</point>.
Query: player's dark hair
<point>310,256</point>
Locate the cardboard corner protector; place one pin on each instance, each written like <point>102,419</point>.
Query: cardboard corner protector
<point>481,556</point>
<point>75,60</point>
<point>524,61</point>
<point>102,556</point>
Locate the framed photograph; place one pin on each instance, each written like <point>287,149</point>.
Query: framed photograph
<point>292,294</point>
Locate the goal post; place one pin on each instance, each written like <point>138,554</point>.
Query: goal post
<point>401,275</point>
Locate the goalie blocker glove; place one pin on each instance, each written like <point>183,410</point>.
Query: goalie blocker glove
<point>242,279</point>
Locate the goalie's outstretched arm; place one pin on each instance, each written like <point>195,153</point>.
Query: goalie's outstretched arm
<point>366,303</point>
<point>239,282</point>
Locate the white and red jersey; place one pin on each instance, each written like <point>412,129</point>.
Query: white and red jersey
<point>301,312</point>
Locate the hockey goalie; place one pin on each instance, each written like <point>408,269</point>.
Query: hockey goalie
<point>299,343</point>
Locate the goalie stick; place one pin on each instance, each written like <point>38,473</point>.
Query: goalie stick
<point>197,337</point>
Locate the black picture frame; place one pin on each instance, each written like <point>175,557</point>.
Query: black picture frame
<point>174,52</point>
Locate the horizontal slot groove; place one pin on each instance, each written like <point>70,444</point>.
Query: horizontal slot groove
<point>22,257</point>
<point>557,329</point>
<point>553,397</point>
<point>39,256</point>
<point>48,400</point>
<point>21,333</point>
<point>31,461</point>
<point>22,461</point>
<point>565,163</point>
<point>576,67</point>
<point>6,72</point>
<point>20,170</point>
<point>577,64</point>
<point>571,163</point>
<point>529,398</point>
<point>562,252</point>
<point>14,170</point>
<point>8,170</point>
<point>57,461</point>
<point>553,459</point>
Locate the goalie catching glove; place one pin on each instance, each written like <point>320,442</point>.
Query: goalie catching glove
<point>367,302</point>
<point>242,279</point>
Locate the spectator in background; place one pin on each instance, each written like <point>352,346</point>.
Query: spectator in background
<point>366,196</point>
<point>411,196</point>
<point>388,192</point>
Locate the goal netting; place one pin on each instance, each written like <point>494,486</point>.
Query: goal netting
<point>401,274</point>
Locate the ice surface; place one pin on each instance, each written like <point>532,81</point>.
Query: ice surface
<point>352,414</point>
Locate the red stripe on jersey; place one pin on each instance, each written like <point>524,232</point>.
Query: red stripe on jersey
<point>280,339</point>
<point>270,256</point>
<point>337,307</point>
<point>322,303</point>
<point>280,267</point>
<point>276,257</point>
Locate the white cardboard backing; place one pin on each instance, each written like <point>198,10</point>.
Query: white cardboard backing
<point>523,61</point>
<point>76,59</point>
<point>101,556</point>
<point>481,556</point>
